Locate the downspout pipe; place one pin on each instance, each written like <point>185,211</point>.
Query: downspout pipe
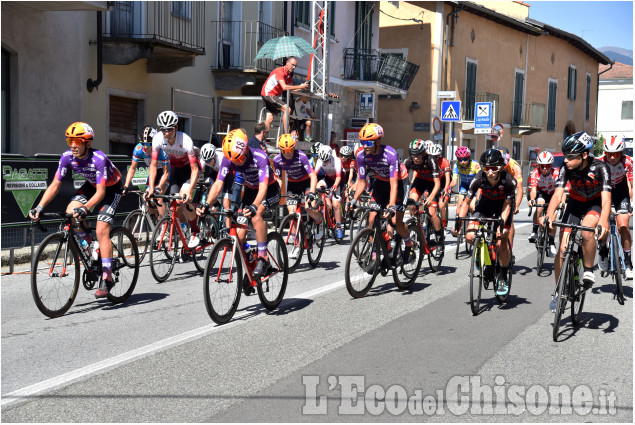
<point>597,97</point>
<point>93,84</point>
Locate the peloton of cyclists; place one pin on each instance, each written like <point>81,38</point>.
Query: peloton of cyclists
<point>332,180</point>
<point>542,184</point>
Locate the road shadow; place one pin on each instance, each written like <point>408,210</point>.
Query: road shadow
<point>588,320</point>
<point>106,304</point>
<point>391,287</point>
<point>546,267</point>
<point>522,270</point>
<point>291,305</point>
<point>611,288</point>
<point>326,265</point>
<point>443,270</point>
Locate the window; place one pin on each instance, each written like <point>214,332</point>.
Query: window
<point>123,126</point>
<point>519,84</point>
<point>517,150</point>
<point>551,106</point>
<point>573,81</point>
<point>470,88</point>
<point>627,109</point>
<point>229,121</point>
<point>332,18</point>
<point>587,106</point>
<point>182,9</point>
<point>303,13</point>
<point>6,57</point>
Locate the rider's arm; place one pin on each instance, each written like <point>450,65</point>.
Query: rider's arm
<point>193,176</point>
<point>507,210</point>
<point>314,180</point>
<point>152,173</point>
<point>553,204</point>
<point>262,192</point>
<point>435,190</point>
<point>100,192</point>
<point>393,191</point>
<point>50,193</point>
<point>165,176</point>
<point>130,174</point>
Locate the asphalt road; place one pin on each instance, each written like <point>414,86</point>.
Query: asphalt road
<point>416,355</point>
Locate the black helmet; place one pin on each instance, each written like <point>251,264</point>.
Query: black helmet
<point>577,143</point>
<point>492,157</point>
<point>316,148</point>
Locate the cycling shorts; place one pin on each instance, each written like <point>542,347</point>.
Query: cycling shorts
<point>576,210</point>
<point>464,187</point>
<point>381,194</point>
<point>328,183</point>
<point>491,210</point>
<point>621,199</point>
<point>271,198</point>
<point>107,206</point>
<point>544,196</point>
<point>180,179</point>
<point>419,187</point>
<point>298,188</point>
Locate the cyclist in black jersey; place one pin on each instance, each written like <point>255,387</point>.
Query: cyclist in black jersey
<point>589,200</point>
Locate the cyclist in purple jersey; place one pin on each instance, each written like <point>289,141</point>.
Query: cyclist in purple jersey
<point>260,189</point>
<point>102,189</point>
<point>389,187</point>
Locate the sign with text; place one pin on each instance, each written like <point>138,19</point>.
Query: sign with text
<point>482,117</point>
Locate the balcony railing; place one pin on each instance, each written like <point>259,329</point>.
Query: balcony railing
<point>179,24</point>
<point>376,65</point>
<point>470,98</point>
<point>239,42</point>
<point>532,115</point>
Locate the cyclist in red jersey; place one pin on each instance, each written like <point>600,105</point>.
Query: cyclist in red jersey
<point>445,175</point>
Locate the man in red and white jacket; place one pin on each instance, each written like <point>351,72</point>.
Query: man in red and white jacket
<point>278,81</point>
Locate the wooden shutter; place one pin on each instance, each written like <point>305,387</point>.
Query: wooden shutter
<point>551,109</point>
<point>518,99</point>
<point>122,127</point>
<point>470,90</point>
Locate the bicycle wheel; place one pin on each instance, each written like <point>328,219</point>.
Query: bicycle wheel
<point>503,298</point>
<point>55,275</point>
<point>293,236</point>
<point>541,245</point>
<point>140,226</point>
<point>406,274</point>
<point>561,294</point>
<point>459,241</point>
<point>125,264</point>
<point>360,270</point>
<point>577,300</point>
<point>316,246</point>
<point>617,269</point>
<point>273,284</point>
<point>222,281</point>
<point>164,249</point>
<point>476,280</point>
<point>434,258</point>
<point>362,222</point>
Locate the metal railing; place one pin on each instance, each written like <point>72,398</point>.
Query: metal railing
<point>376,65</point>
<point>480,96</point>
<point>180,24</point>
<point>529,114</point>
<point>238,43</point>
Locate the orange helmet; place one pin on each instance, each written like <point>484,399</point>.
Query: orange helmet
<point>286,143</point>
<point>80,130</point>
<point>371,132</point>
<point>235,146</point>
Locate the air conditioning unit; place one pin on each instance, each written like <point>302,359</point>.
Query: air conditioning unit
<point>358,122</point>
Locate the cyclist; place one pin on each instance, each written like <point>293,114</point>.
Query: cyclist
<point>333,177</point>
<point>143,151</point>
<point>621,168</point>
<point>589,197</point>
<point>389,187</point>
<point>498,188</point>
<point>315,148</point>
<point>261,189</point>
<point>542,183</point>
<point>301,180</point>
<point>424,179</point>
<point>513,168</point>
<point>464,170</point>
<point>349,166</point>
<point>102,189</point>
<point>183,177</point>
<point>445,176</point>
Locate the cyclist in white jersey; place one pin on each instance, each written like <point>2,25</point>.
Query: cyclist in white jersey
<point>332,166</point>
<point>180,150</point>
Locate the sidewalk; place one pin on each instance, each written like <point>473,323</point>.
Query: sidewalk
<point>21,259</point>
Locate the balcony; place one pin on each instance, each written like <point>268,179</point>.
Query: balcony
<point>169,34</point>
<point>529,117</point>
<point>387,73</point>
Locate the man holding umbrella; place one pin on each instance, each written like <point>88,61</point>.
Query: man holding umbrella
<point>278,81</point>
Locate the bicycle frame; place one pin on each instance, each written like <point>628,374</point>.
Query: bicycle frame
<point>172,214</point>
<point>615,235</point>
<point>299,223</point>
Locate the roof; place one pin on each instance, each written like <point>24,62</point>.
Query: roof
<point>499,18</point>
<point>619,71</point>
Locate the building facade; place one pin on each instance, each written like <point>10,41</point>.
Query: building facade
<point>615,101</point>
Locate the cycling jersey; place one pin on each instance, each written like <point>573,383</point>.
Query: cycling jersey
<point>255,169</point>
<point>349,164</point>
<point>588,183</point>
<point>465,174</point>
<point>444,167</point>
<point>272,87</point>
<point>297,167</point>
<point>623,168</point>
<point>428,169</point>
<point>332,168</point>
<point>385,164</point>
<point>542,183</point>
<point>513,168</point>
<point>96,168</point>
<point>180,153</point>
<point>139,154</point>
<point>503,190</point>
<point>320,173</point>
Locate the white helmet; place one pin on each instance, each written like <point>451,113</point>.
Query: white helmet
<point>427,144</point>
<point>434,150</point>
<point>544,158</point>
<point>167,119</point>
<point>346,151</point>
<point>325,153</point>
<point>208,151</point>
<point>614,144</point>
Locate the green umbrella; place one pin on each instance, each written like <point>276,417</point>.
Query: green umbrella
<point>283,47</point>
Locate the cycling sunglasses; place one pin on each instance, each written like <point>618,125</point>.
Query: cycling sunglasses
<point>463,159</point>
<point>75,140</point>
<point>613,154</point>
<point>287,151</point>
<point>491,168</point>
<point>572,156</point>
<point>167,129</point>
<point>367,143</point>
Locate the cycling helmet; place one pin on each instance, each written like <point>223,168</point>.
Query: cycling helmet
<point>235,146</point>
<point>577,143</point>
<point>417,147</point>
<point>613,145</point>
<point>208,151</point>
<point>544,158</point>
<point>146,135</point>
<point>492,157</point>
<point>504,150</point>
<point>325,153</point>
<point>315,148</point>
<point>371,131</point>
<point>346,152</point>
<point>80,130</point>
<point>167,119</point>
<point>434,150</point>
<point>463,152</point>
<point>286,142</point>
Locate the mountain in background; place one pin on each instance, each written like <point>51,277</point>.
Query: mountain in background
<point>618,54</point>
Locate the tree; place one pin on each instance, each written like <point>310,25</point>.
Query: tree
<point>598,147</point>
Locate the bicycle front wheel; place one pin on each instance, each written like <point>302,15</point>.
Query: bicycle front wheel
<point>125,264</point>
<point>476,279</point>
<point>434,258</point>
<point>55,275</point>
<point>293,236</point>
<point>617,269</point>
<point>361,268</point>
<point>316,246</point>
<point>459,241</point>
<point>272,286</point>
<point>165,245</point>
<point>222,282</point>
<point>541,244</point>
<point>578,295</point>
<point>561,294</point>
<point>406,274</point>
<point>140,226</point>
<point>362,223</point>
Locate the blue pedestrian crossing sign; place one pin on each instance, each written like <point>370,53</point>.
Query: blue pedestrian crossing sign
<point>451,110</point>
<point>482,117</point>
